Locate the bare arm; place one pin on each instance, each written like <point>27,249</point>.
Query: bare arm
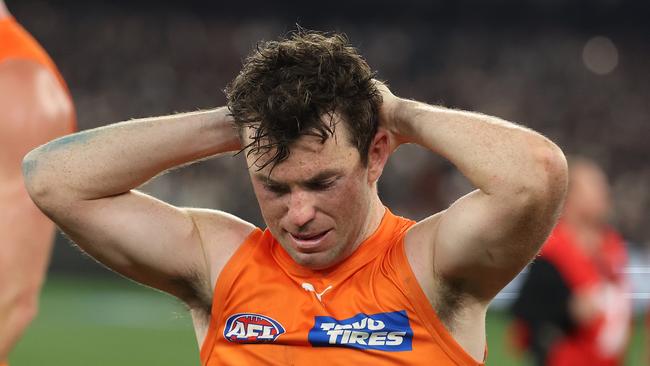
<point>34,109</point>
<point>85,183</point>
<point>485,238</point>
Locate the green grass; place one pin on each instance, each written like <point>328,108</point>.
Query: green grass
<point>107,322</point>
<point>501,354</point>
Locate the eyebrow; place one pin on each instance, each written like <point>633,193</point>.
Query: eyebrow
<point>321,176</point>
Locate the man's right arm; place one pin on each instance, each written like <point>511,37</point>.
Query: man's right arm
<point>85,183</point>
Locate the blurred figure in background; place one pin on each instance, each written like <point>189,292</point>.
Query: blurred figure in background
<point>573,309</point>
<point>35,107</point>
<point>647,337</point>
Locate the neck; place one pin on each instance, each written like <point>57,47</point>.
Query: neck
<point>375,214</point>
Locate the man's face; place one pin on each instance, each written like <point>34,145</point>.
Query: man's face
<point>589,193</point>
<point>316,202</point>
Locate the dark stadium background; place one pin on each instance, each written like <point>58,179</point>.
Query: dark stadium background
<point>576,71</point>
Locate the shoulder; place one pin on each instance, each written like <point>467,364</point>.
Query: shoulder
<point>26,71</point>
<point>220,229</point>
<point>419,241</point>
<point>425,229</point>
<point>221,235</point>
<point>26,85</point>
<point>215,222</point>
<point>34,107</point>
<point>419,248</point>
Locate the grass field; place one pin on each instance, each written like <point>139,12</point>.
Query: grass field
<point>94,322</point>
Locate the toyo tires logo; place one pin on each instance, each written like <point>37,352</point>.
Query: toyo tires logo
<point>383,332</point>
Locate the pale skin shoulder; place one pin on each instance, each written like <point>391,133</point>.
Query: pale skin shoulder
<point>35,109</point>
<point>477,245</point>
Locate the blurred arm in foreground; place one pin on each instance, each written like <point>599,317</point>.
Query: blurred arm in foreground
<point>34,108</point>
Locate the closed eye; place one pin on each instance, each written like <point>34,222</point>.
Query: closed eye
<point>277,189</point>
<point>321,185</point>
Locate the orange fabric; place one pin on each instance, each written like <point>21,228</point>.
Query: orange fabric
<point>263,296</point>
<point>16,42</point>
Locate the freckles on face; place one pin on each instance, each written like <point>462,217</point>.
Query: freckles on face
<point>311,182</point>
<point>314,202</point>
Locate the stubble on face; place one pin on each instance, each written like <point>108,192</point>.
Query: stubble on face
<point>342,208</point>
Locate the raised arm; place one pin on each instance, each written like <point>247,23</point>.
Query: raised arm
<point>486,237</point>
<point>85,183</point>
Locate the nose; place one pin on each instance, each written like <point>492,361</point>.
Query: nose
<point>301,209</point>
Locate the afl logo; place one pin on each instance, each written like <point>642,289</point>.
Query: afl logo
<point>251,328</point>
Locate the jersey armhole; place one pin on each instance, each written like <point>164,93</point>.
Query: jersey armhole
<point>230,270</point>
<point>425,311</point>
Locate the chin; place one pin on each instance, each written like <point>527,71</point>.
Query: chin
<point>311,260</point>
<point>315,261</point>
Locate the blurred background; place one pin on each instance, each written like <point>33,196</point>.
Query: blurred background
<point>576,71</point>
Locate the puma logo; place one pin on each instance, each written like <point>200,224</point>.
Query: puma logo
<point>309,287</point>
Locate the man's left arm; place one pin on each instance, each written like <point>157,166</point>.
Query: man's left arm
<point>486,237</point>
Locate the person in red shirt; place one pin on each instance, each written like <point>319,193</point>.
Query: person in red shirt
<point>35,107</point>
<point>335,278</point>
<point>574,305</point>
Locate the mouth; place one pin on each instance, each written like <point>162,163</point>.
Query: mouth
<point>309,241</point>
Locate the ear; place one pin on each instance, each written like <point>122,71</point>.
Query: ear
<point>378,153</point>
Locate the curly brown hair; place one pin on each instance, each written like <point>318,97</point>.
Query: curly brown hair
<point>292,87</point>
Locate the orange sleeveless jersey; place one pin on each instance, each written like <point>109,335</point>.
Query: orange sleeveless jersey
<point>16,42</point>
<point>368,310</point>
